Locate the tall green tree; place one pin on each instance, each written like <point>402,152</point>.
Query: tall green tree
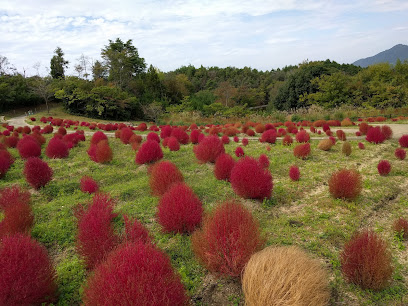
<point>122,61</point>
<point>58,64</point>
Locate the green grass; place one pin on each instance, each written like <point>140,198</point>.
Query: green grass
<point>301,213</point>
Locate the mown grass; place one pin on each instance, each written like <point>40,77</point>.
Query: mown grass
<point>301,213</point>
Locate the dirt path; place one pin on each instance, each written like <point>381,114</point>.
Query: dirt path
<point>398,129</point>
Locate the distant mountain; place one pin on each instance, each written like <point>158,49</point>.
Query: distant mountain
<point>397,52</point>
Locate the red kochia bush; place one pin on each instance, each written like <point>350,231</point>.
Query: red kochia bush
<point>11,141</point>
<point>27,276</point>
<point>366,261</point>
<point>179,209</point>
<point>209,149</point>
<point>345,184</point>
<point>37,172</point>
<point>95,237</point>
<point>239,152</point>
<point>194,136</point>
<point>164,174</point>
<point>98,136</point>
<point>180,134</point>
<point>150,151</point>
<point>403,141</point>
<point>401,227</point>
<point>375,135</point>
<point>302,150</point>
<point>400,153</point>
<point>56,148</point>
<point>384,167</point>
<point>387,131</point>
<point>361,146</point>
<point>302,136</point>
<point>287,140</point>
<point>153,136</point>
<point>103,152</point>
<point>135,274</point>
<point>173,144</point>
<point>294,173</point>
<point>227,239</point>
<point>223,166</point>
<point>269,136</point>
<point>28,147</point>
<point>225,139</point>
<point>6,160</point>
<point>135,232</point>
<point>264,161</point>
<point>125,135</point>
<point>341,135</point>
<point>88,184</point>
<point>250,180</point>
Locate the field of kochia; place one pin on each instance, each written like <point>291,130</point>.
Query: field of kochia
<point>307,212</point>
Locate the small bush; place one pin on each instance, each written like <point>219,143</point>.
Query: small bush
<point>6,160</point>
<point>374,135</point>
<point>194,136</point>
<point>166,131</point>
<point>95,236</point>
<point>37,172</point>
<point>287,140</point>
<point>27,276</point>
<point>384,167</point>
<point>264,161</point>
<point>179,209</point>
<point>135,232</point>
<point>225,139</point>
<point>100,152</point>
<point>227,239</point>
<point>135,274</point>
<point>294,173</point>
<point>361,146</point>
<point>302,136</point>
<point>285,276</point>
<point>341,135</point>
<point>302,150</point>
<point>249,180</point>
<point>403,141</point>
<point>239,152</point>
<point>56,148</point>
<point>173,144</point>
<point>98,136</point>
<point>386,131</point>
<point>88,184</point>
<point>164,174</point>
<point>181,135</point>
<point>366,261</point>
<point>28,147</point>
<point>223,167</point>
<point>400,153</point>
<point>153,136</point>
<point>401,227</point>
<point>125,135</point>
<point>245,142</point>
<point>150,151</point>
<point>345,184</point>
<point>346,148</point>
<point>269,136</point>
<point>325,144</point>
<point>363,128</point>
<point>209,149</point>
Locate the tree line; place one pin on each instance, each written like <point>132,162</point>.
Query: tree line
<point>121,86</point>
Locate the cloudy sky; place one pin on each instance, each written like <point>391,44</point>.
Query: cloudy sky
<point>260,34</point>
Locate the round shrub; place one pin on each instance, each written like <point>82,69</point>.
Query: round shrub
<point>37,172</point>
<point>341,135</point>
<point>239,152</point>
<point>180,134</point>
<point>366,261</point>
<point>363,128</point>
<point>384,167</point>
<point>294,173</point>
<point>6,160</point>
<point>166,131</point>
<point>403,141</point>
<point>386,131</point>
<point>28,147</point>
<point>98,136</point>
<point>62,131</point>
<point>194,136</point>
<point>287,140</point>
<point>225,139</point>
<point>150,151</point>
<point>135,232</point>
<point>302,150</point>
<point>56,148</point>
<point>374,135</point>
<point>249,180</point>
<point>27,276</point>
<point>401,227</point>
<point>269,136</point>
<point>103,152</point>
<point>285,276</point>
<point>95,236</point>
<point>209,149</point>
<point>153,136</point>
<point>244,141</point>
<point>173,144</point>
<point>223,167</point>
<point>325,144</point>
<point>164,174</point>
<point>361,146</point>
<point>125,135</point>
<point>88,185</point>
<point>400,153</point>
<point>11,141</point>
<point>264,161</point>
<point>227,239</point>
<point>302,136</point>
<point>179,209</point>
<point>236,139</point>
<point>135,274</point>
<point>345,184</point>
<point>346,148</point>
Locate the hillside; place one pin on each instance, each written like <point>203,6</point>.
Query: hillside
<point>391,55</point>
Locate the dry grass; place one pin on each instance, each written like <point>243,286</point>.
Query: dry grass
<point>285,276</point>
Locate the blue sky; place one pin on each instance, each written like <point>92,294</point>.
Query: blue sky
<point>168,34</point>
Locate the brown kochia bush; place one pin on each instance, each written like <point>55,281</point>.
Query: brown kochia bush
<point>346,148</point>
<point>345,184</point>
<point>284,276</point>
<point>325,144</point>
